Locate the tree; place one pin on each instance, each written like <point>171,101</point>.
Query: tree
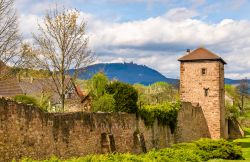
<point>97,85</point>
<point>105,103</point>
<point>125,96</point>
<point>9,35</point>
<point>60,45</point>
<point>243,89</point>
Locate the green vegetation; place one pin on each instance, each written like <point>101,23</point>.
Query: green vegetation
<point>105,103</point>
<point>156,93</point>
<point>42,102</point>
<point>166,113</point>
<point>236,104</point>
<point>198,151</point>
<point>125,96</point>
<point>29,100</point>
<point>27,73</point>
<point>97,85</point>
<point>157,101</point>
<point>245,144</point>
<point>112,97</point>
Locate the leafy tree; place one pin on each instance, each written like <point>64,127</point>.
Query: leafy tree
<point>143,97</point>
<point>105,103</point>
<point>125,96</point>
<point>161,91</point>
<point>156,93</point>
<point>97,85</point>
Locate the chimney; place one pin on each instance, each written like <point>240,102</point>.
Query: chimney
<point>188,51</point>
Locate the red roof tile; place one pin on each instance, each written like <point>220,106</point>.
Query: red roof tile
<point>201,54</point>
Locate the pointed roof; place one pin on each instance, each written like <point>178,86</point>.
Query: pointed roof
<point>201,54</point>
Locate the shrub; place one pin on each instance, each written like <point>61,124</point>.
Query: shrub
<point>202,150</point>
<point>171,155</point>
<point>105,103</point>
<point>212,149</point>
<point>26,100</point>
<point>125,97</point>
<point>166,113</point>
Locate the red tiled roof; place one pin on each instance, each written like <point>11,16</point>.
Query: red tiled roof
<point>201,54</point>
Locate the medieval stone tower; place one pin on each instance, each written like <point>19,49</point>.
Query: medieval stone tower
<point>202,84</point>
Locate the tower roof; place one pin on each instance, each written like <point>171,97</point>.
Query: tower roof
<point>201,54</point>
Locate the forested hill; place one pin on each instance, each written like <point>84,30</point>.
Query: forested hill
<point>132,73</point>
<point>127,72</point>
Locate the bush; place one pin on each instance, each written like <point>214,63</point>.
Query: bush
<point>213,149</point>
<point>105,103</point>
<point>26,100</point>
<point>171,155</point>
<point>42,102</point>
<point>202,150</point>
<point>166,113</point>
<point>125,97</point>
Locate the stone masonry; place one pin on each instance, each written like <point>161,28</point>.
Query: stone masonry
<point>202,84</point>
<point>26,131</point>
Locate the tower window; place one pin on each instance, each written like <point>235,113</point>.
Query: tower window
<point>206,91</point>
<point>203,71</point>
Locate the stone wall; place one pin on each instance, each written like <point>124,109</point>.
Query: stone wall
<point>26,131</point>
<point>191,124</point>
<point>193,85</point>
<point>234,129</point>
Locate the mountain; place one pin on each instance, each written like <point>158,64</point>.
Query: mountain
<point>133,73</point>
<point>126,72</point>
<point>235,82</point>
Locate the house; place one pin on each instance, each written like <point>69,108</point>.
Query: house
<point>75,98</point>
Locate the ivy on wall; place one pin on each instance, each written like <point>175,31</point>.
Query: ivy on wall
<point>166,114</point>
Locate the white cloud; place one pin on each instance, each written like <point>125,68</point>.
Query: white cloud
<point>178,14</point>
<point>159,41</point>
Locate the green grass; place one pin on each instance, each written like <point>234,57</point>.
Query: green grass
<point>245,144</point>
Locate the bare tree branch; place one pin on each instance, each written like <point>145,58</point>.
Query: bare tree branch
<point>61,45</point>
<point>9,34</point>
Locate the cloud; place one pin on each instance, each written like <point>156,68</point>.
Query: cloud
<point>178,14</point>
<point>236,4</point>
<point>159,41</point>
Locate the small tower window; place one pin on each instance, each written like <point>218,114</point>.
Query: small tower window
<point>203,71</point>
<point>206,91</point>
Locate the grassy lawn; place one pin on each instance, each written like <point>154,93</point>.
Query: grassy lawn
<point>245,144</point>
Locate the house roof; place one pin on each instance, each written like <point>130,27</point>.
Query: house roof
<point>10,88</point>
<point>201,54</point>
<point>13,86</point>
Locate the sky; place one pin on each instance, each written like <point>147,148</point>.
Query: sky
<point>156,32</point>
